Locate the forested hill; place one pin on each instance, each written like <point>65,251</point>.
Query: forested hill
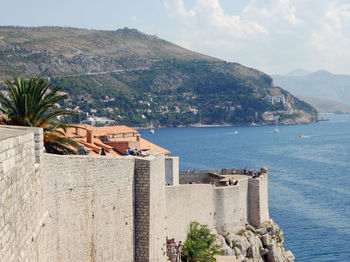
<point>137,79</point>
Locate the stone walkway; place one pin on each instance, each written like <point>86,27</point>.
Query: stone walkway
<point>226,259</point>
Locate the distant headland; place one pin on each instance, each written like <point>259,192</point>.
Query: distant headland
<point>131,78</point>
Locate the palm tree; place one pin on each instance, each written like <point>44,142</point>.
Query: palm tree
<point>33,103</point>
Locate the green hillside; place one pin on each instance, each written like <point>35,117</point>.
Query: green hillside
<point>138,79</point>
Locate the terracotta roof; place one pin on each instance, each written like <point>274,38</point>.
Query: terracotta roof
<point>99,143</point>
<point>144,144</point>
<point>100,131</point>
<point>96,147</point>
<point>89,145</point>
<point>109,130</point>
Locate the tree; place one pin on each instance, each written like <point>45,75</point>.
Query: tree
<point>200,244</point>
<point>33,103</point>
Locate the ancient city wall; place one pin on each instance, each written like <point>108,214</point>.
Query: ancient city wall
<point>186,203</point>
<point>172,170</point>
<point>229,212</point>
<point>258,200</point>
<point>77,208</point>
<point>22,215</point>
<point>88,208</point>
<point>157,209</point>
<point>150,208</point>
<point>222,208</point>
<point>197,176</point>
<point>225,208</point>
<point>90,205</point>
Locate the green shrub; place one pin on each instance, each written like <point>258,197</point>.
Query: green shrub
<point>199,244</point>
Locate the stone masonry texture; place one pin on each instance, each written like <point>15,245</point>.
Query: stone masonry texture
<point>90,205</point>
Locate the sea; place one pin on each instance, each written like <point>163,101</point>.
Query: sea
<point>309,175</point>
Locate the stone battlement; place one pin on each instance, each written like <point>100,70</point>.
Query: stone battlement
<point>85,208</point>
<point>219,178</point>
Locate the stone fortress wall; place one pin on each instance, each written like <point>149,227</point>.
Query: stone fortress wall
<point>225,208</point>
<point>22,214</point>
<point>88,208</point>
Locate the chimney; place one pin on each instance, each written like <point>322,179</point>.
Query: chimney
<point>90,136</point>
<point>77,131</point>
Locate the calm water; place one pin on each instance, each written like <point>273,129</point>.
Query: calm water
<point>309,182</point>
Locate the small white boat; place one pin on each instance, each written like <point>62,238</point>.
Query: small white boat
<point>235,133</point>
<point>276,130</point>
<point>151,131</point>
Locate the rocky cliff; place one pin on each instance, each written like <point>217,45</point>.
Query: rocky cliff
<point>264,244</point>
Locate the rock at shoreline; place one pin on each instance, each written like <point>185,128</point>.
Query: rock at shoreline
<point>256,244</point>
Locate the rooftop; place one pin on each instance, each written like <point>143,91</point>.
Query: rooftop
<point>115,140</point>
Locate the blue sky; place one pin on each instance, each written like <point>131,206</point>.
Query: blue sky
<point>275,36</point>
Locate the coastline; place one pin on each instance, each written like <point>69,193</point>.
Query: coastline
<point>198,125</point>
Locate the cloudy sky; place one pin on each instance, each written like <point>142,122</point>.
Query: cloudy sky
<point>275,36</point>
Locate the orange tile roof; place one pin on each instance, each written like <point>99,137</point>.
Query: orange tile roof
<point>100,131</point>
<point>99,143</point>
<point>144,144</point>
<point>109,130</point>
<point>122,139</point>
<point>96,147</point>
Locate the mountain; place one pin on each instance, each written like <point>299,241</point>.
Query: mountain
<point>326,105</point>
<point>320,84</point>
<point>138,79</point>
<point>298,72</point>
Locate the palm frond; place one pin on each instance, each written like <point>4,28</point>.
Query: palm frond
<point>32,103</point>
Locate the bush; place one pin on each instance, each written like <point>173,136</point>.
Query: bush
<point>199,244</point>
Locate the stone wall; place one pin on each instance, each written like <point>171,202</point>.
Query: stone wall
<point>196,177</point>
<point>226,209</point>
<point>258,201</point>
<point>90,205</point>
<point>157,209</point>
<point>150,208</point>
<point>98,208</point>
<point>142,209</point>
<point>22,216</point>
<point>186,203</point>
<point>172,170</point>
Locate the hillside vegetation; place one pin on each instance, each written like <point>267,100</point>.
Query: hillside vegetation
<point>138,79</point>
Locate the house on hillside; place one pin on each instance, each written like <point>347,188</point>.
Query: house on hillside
<point>93,120</point>
<point>275,99</point>
<point>108,109</point>
<point>269,116</point>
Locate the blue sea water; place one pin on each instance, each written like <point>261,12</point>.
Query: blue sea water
<point>309,181</point>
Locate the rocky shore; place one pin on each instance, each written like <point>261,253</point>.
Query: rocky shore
<point>251,244</point>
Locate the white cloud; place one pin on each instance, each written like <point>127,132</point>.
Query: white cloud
<point>273,10</point>
<point>207,17</point>
<point>330,39</point>
<point>273,35</point>
<point>176,8</point>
